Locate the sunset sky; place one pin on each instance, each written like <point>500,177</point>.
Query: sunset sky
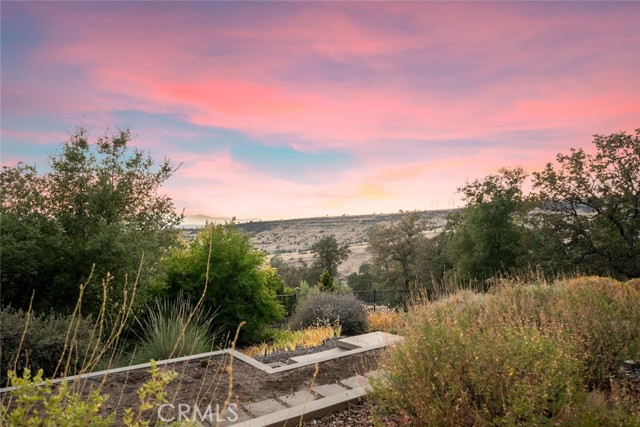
<point>283,110</point>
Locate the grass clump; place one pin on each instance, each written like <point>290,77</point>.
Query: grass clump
<point>287,340</point>
<point>174,328</point>
<point>323,308</point>
<point>519,355</point>
<point>387,320</point>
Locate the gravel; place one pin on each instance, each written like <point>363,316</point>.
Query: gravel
<point>362,413</point>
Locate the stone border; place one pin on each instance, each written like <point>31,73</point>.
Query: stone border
<point>231,352</point>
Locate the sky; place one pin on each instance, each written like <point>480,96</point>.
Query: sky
<point>297,109</point>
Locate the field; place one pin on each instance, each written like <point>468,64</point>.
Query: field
<point>293,238</point>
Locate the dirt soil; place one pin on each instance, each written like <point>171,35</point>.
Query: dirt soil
<point>206,381</point>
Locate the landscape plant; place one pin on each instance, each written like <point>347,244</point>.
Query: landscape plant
<point>222,264</point>
<point>174,328</point>
<point>41,340</point>
<point>533,354</point>
<point>37,402</point>
<point>324,308</point>
<point>288,340</point>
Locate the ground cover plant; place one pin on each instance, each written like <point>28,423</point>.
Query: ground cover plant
<point>522,354</point>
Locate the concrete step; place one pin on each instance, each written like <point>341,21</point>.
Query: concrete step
<point>320,356</point>
<point>372,339</point>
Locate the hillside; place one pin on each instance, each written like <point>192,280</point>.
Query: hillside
<point>293,238</point>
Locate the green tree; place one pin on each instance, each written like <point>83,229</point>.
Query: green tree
<point>365,279</point>
<point>328,254</point>
<point>395,250</point>
<point>591,203</point>
<point>291,275</point>
<point>326,282</point>
<point>485,238</point>
<point>240,286</point>
<point>99,204</point>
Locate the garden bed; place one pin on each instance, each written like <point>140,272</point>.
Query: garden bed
<point>205,381</point>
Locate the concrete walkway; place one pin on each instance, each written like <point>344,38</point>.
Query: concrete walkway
<point>307,403</point>
<point>320,399</point>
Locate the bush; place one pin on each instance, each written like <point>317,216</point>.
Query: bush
<point>34,404</point>
<point>240,287</point>
<point>320,308</point>
<point>520,355</point>
<point>45,341</point>
<point>165,332</point>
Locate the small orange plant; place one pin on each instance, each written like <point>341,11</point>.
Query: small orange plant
<point>385,319</point>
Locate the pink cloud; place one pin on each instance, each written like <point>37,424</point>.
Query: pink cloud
<point>432,72</point>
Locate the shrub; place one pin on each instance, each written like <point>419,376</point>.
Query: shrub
<point>386,320</point>
<point>45,341</point>
<point>166,333</point>
<point>603,315</point>
<point>222,263</point>
<point>327,308</point>
<point>448,373</point>
<point>635,284</point>
<point>36,404</point>
<point>520,355</point>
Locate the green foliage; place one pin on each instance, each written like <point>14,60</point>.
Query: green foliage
<point>521,355</point>
<point>364,279</point>
<point>37,404</point>
<point>326,282</point>
<point>322,308</point>
<point>395,250</point>
<point>293,275</point>
<point>174,328</point>
<point>99,205</point>
<point>592,205</point>
<point>485,238</point>
<point>329,254</point>
<point>239,286</point>
<point>44,343</point>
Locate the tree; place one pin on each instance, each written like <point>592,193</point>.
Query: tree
<point>395,252</point>
<point>291,275</point>
<point>365,279</point>
<point>240,286</point>
<point>485,238</point>
<point>592,202</point>
<point>99,204</point>
<point>328,254</point>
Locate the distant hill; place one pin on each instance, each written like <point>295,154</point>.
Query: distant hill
<point>293,238</point>
<point>197,221</point>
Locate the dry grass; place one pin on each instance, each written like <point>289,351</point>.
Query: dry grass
<point>385,319</point>
<point>286,340</point>
<point>522,354</point>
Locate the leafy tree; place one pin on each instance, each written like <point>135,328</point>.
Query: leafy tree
<point>291,275</point>
<point>365,279</point>
<point>592,204</point>
<point>233,275</point>
<point>433,260</point>
<point>99,204</point>
<point>395,250</point>
<point>485,238</point>
<point>329,254</point>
